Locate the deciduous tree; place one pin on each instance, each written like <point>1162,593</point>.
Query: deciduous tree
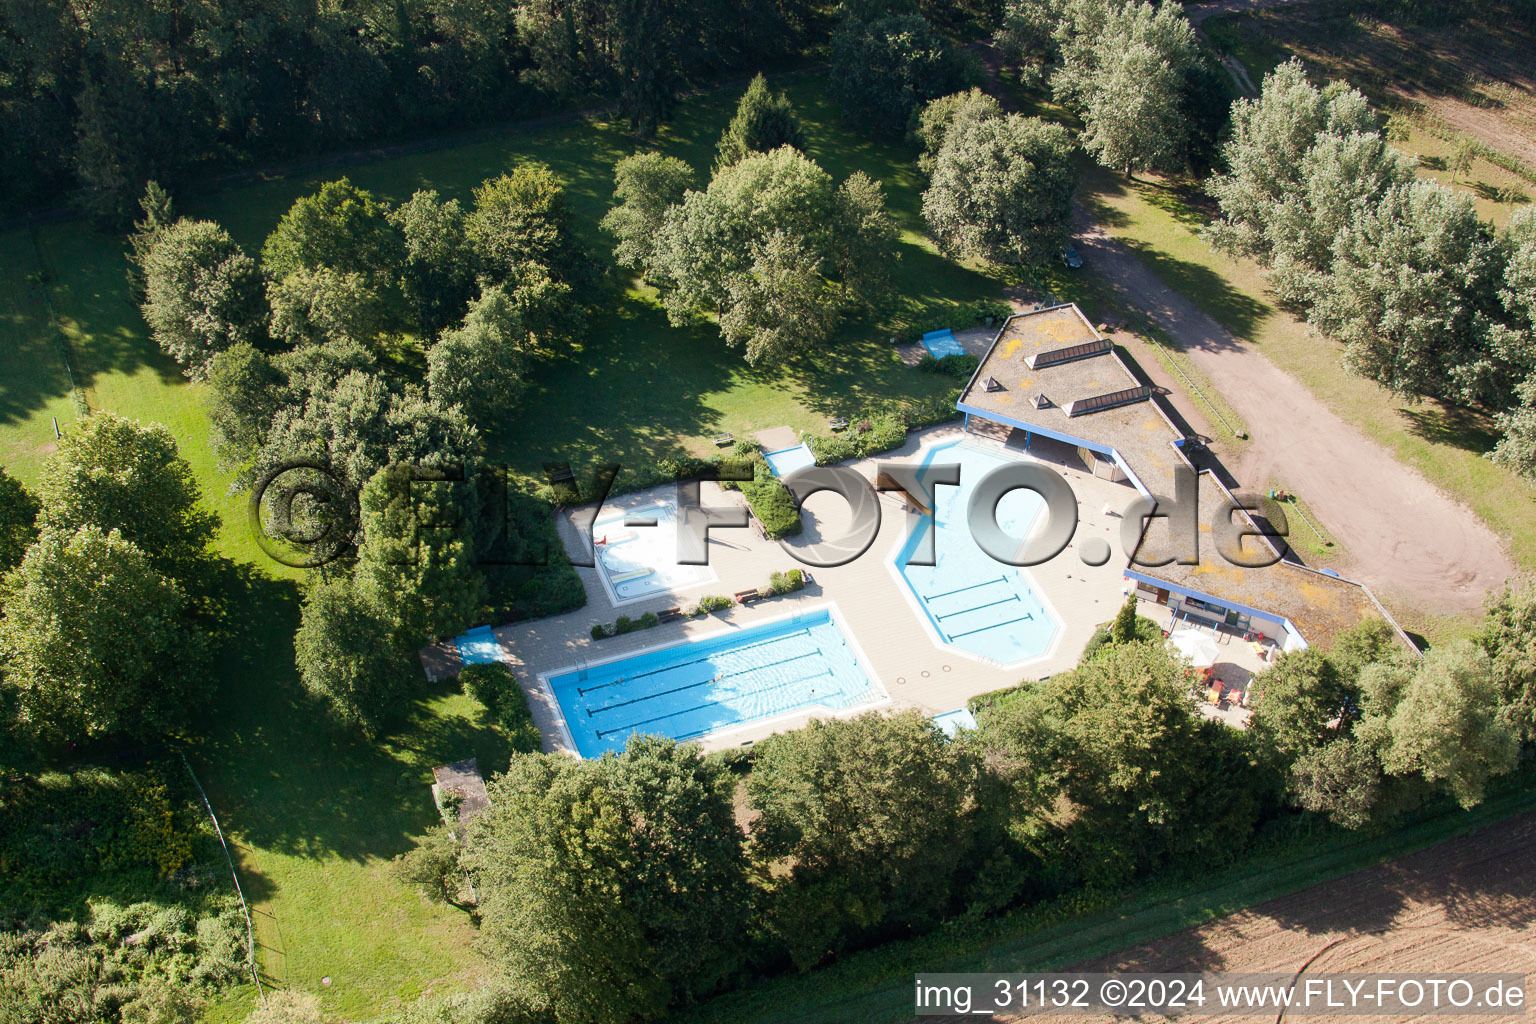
<point>202,294</point>
<point>645,185</point>
<point>98,641</point>
<point>883,69</point>
<point>18,521</point>
<point>1002,190</point>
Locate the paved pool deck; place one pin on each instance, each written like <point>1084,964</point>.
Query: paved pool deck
<point>906,661</point>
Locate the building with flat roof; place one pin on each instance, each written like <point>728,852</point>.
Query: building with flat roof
<point>1050,378</point>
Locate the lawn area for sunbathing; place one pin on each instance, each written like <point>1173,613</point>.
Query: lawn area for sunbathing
<point>317,813</point>
<point>1159,221</point>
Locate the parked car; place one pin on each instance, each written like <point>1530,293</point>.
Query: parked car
<point>1071,258</point>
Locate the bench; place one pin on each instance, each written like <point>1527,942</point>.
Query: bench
<point>748,596</point>
<point>669,614</point>
<point>721,440</point>
<point>835,425</point>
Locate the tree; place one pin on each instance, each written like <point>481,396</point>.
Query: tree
<point>870,818</point>
<point>863,248</point>
<point>480,364</point>
<point>1304,703</point>
<point>767,235</point>
<point>1002,190</point>
<point>342,228</point>
<point>439,273</point>
<point>202,293</point>
<point>1108,767</point>
<point>1342,779</point>
<point>97,641</point>
<point>522,218</point>
<point>158,215</point>
<point>645,185</point>
<point>883,69</point>
<point>311,306</point>
<point>1461,158</point>
<point>1410,291</point>
<point>764,121</point>
<point>937,117</point>
<point>1448,727</point>
<point>1123,64</point>
<point>18,521</point>
<point>118,475</point>
<point>780,305</point>
<point>416,563</point>
<point>1512,349</point>
<point>349,658</point>
<point>1509,636</point>
<point>615,886</point>
<point>1267,155</point>
<point>1124,628</point>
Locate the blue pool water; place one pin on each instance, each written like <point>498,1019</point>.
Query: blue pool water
<point>786,460</point>
<point>972,601</point>
<point>690,689</point>
<point>943,343</point>
<point>479,646</point>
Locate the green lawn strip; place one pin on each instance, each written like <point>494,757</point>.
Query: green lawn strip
<point>1443,443</point>
<point>1307,531</point>
<point>876,986</point>
<point>316,813</point>
<point>35,387</point>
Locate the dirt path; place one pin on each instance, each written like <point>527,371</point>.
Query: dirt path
<point>1400,535</point>
<point>1463,905</point>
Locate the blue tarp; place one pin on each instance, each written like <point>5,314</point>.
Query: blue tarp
<point>943,343</point>
<point>478,646</point>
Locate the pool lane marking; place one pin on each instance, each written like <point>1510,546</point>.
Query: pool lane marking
<point>702,682</point>
<point>973,586</point>
<point>979,607</point>
<point>983,629</point>
<point>699,707</point>
<point>583,691</point>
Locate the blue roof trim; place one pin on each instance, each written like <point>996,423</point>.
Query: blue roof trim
<point>987,414</point>
<point>1224,602</point>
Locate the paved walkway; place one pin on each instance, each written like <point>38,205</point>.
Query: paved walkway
<point>907,662</point>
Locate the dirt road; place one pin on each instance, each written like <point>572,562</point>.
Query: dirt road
<point>1463,905</point>
<point>1401,536</point>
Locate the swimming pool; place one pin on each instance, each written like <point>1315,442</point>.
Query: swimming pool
<point>786,460</point>
<point>969,600</point>
<point>641,561</point>
<point>688,690</point>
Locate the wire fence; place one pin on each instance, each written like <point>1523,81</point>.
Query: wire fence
<point>60,342</point>
<point>250,931</point>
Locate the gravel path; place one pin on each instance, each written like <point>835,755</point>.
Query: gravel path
<point>1400,534</point>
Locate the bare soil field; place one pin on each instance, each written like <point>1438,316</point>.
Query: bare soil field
<point>1464,905</point>
<point>1474,76</point>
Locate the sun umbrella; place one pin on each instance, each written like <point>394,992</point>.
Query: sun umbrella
<point>1200,649</point>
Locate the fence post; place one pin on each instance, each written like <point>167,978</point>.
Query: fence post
<point>250,931</point>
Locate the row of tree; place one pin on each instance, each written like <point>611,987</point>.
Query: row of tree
<point>612,889</point>
<point>1428,300</point>
<point>343,266</point>
<point>99,98</point>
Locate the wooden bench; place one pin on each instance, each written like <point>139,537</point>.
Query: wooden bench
<point>669,615</point>
<point>748,596</point>
<point>721,440</point>
<point>837,424</point>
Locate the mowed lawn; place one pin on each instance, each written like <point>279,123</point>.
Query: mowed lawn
<point>317,813</point>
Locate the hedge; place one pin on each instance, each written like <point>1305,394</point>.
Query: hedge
<point>771,502</point>
<point>882,430</point>
<point>494,686</point>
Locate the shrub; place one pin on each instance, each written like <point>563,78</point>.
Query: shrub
<point>786,582</point>
<point>601,630</point>
<point>772,503</point>
<point>711,603</point>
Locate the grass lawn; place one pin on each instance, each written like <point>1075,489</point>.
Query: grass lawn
<point>1160,220</point>
<point>876,986</point>
<point>316,814</point>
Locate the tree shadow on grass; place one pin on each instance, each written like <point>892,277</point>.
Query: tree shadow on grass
<point>285,777</point>
<point>1446,424</point>
<point>1238,312</point>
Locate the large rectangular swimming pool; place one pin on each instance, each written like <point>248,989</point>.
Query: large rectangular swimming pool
<point>692,689</point>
